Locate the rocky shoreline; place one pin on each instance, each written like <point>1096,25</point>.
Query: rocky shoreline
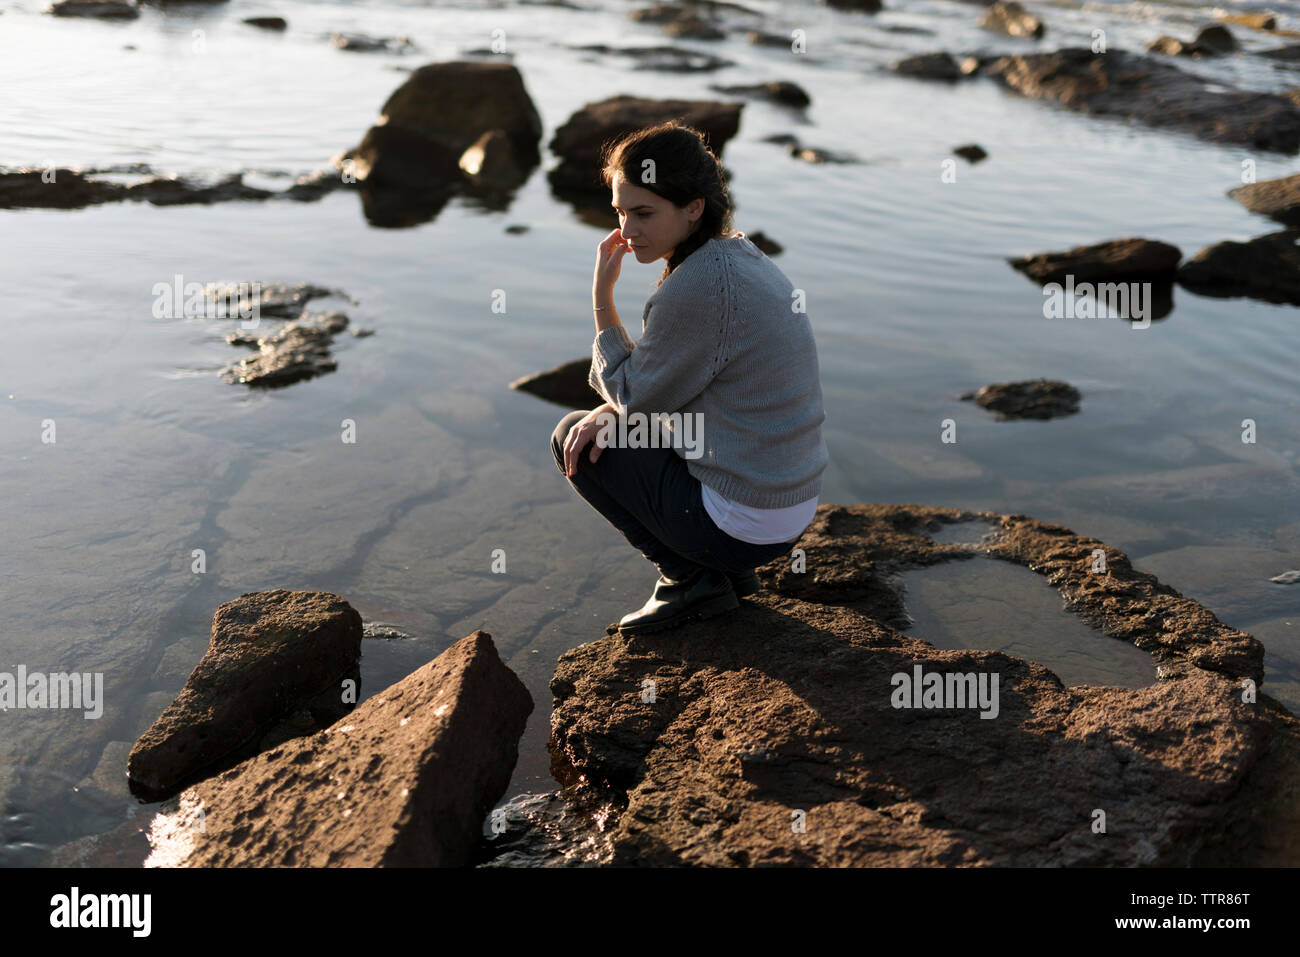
<point>772,736</point>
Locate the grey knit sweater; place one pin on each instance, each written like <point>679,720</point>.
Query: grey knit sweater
<point>720,337</point>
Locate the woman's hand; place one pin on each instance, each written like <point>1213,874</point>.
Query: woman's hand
<point>609,262</point>
<point>582,432</point>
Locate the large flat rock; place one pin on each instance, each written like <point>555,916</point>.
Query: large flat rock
<point>771,736</point>
<point>405,780</point>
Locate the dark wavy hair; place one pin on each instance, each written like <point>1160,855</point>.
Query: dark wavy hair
<point>684,169</point>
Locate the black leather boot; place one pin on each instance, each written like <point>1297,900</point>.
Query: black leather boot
<point>745,584</point>
<point>703,594</point>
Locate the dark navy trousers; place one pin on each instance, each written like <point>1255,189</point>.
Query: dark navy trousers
<point>649,495</point>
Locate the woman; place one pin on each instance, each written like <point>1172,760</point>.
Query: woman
<point>722,342</point>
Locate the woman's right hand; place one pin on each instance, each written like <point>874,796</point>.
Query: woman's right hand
<point>581,433</point>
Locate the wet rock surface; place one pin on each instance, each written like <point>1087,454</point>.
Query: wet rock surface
<point>930,66</point>
<point>1030,399</point>
<point>270,300</point>
<point>101,9</point>
<point>360,43</point>
<point>1267,268</point>
<point>971,152</point>
<point>1114,260</point>
<point>768,737</point>
<point>405,780</point>
<point>409,164</point>
<point>565,385</point>
<point>777,91</point>
<point>1278,199</point>
<point>1124,84</point>
<point>579,140</point>
<point>1010,18</point>
<point>299,350</point>
<point>61,188</point>
<point>275,667</point>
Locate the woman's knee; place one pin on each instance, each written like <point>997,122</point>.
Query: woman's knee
<point>561,432</point>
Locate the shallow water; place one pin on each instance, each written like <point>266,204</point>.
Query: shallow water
<point>985,603</point>
<point>909,296</point>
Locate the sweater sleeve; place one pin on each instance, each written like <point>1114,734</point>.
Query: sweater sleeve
<point>678,354</point>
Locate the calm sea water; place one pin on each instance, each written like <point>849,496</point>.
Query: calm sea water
<point>909,295</point>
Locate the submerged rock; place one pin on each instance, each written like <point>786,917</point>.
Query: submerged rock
<point>579,140</point>
<point>405,780</point>
<point>275,667</point>
<point>1030,399</point>
<point>1114,260</point>
<point>559,829</point>
<point>1123,84</point>
<point>564,385</point>
<point>1267,267</point>
<point>1009,17</point>
<point>61,188</point>
<point>775,735</point>
<point>273,299</point>
<point>971,152</point>
<point>1276,198</point>
<point>298,351</point>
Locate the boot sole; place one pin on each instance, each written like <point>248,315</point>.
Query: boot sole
<point>709,609</point>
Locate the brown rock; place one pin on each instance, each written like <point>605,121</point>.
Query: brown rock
<point>579,140</point>
<point>1276,198</point>
<point>771,737</point>
<point>1113,260</point>
<point>1255,21</point>
<point>929,66</point>
<point>1267,267</point>
<point>1123,84</point>
<point>406,780</point>
<point>861,6</point>
<point>299,350</point>
<point>101,9</point>
<point>778,91</point>
<point>272,657</point>
<point>1216,37</point>
<point>1031,399</point>
<point>564,385</point>
<point>1009,17</point>
<point>491,162</point>
<point>436,115</point>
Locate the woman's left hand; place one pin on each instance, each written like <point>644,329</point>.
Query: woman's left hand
<point>609,261</point>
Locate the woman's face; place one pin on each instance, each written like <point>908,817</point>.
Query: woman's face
<point>652,225</point>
